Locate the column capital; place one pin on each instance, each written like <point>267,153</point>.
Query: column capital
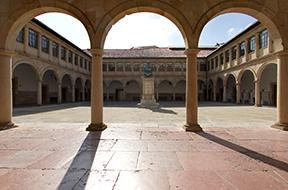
<point>97,52</point>
<point>192,52</point>
<point>5,52</point>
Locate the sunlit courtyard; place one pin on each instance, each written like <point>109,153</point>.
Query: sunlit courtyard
<point>144,149</point>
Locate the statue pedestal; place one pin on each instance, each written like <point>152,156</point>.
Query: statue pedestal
<point>148,99</point>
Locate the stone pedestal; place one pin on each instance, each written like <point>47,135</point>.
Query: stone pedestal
<point>148,99</point>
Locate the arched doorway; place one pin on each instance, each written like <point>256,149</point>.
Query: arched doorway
<point>247,88</point>
<point>50,87</point>
<point>268,85</point>
<point>231,89</point>
<point>66,88</point>
<point>133,91</point>
<point>116,91</point>
<point>165,91</point>
<point>210,91</point>
<point>201,90</point>
<point>87,90</point>
<point>180,91</point>
<point>78,90</point>
<point>25,85</point>
<point>219,90</point>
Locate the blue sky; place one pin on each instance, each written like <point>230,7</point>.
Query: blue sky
<point>142,29</point>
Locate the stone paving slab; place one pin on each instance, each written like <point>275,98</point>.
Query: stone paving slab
<point>56,152</point>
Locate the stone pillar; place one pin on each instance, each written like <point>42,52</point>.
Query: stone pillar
<point>270,44</point>
<point>224,93</point>
<point>238,93</point>
<point>97,92</point>
<point>59,93</point>
<point>39,93</point>
<point>39,44</point>
<point>26,39</point>
<point>6,89</point>
<point>237,54</point>
<point>73,92</point>
<point>257,45</point>
<point>191,92</point>
<point>257,93</point>
<point>282,92</point>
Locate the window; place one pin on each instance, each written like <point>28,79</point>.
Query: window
<point>119,67</point>
<point>85,64</point>
<point>221,59</point>
<point>216,62</point>
<point>227,55</point>
<point>242,49</point>
<point>263,37</point>
<point>212,64</point>
<point>70,57</point>
<point>63,54</point>
<point>44,44</point>
<point>128,68</point>
<point>55,49</point>
<point>252,44</point>
<point>20,36</point>
<point>89,66</point>
<point>81,62</point>
<point>111,67</point>
<point>33,38</point>
<point>76,59</point>
<point>234,52</point>
<point>170,67</point>
<point>208,66</point>
<point>203,67</point>
<point>104,68</point>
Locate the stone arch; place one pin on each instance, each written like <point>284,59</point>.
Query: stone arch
<point>78,85</point>
<point>66,88</point>
<point>267,76</point>
<point>240,74</point>
<point>25,84</point>
<point>165,90</point>
<point>260,11</point>
<point>134,6</point>
<point>44,70</point>
<point>26,13</point>
<point>230,82</point>
<point>34,67</point>
<point>116,90</point>
<point>180,90</point>
<point>132,90</point>
<point>219,89</point>
<point>50,81</point>
<point>247,87</point>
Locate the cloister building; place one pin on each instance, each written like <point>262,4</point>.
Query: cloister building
<point>242,71</point>
<point>50,69</point>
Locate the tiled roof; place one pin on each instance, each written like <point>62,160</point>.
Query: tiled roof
<point>152,52</point>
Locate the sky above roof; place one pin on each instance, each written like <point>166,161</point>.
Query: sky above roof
<point>147,29</point>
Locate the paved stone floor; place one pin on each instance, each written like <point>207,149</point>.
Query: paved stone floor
<point>144,149</point>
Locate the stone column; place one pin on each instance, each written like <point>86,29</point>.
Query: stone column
<point>191,92</point>
<point>238,93</point>
<point>73,92</point>
<point>39,44</point>
<point>6,89</point>
<point>97,92</point>
<point>39,93</point>
<point>247,50</point>
<point>224,93</point>
<point>282,92</point>
<point>59,93</point>
<point>237,54</point>
<point>257,93</point>
<point>26,39</point>
<point>257,45</point>
<point>270,44</point>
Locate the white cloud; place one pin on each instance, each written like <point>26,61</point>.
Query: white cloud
<point>142,29</point>
<point>232,32</point>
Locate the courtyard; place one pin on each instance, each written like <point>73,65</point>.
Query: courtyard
<point>144,149</point>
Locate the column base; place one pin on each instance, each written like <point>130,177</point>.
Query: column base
<point>281,126</point>
<point>192,128</point>
<point>5,126</point>
<point>96,127</point>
